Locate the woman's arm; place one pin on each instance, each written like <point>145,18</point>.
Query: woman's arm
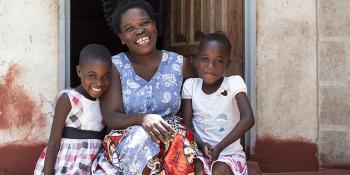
<point>115,118</point>
<point>62,109</point>
<point>245,123</point>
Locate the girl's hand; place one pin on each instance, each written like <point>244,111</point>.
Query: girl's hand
<point>206,149</point>
<point>158,128</point>
<point>214,154</point>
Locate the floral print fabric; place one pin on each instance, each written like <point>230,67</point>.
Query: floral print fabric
<point>161,95</point>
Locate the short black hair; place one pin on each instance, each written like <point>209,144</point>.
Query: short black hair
<point>94,52</point>
<point>218,37</point>
<point>126,5</point>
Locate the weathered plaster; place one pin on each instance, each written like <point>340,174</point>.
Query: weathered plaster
<point>286,85</point>
<point>286,69</point>
<point>333,18</point>
<point>29,52</point>
<point>28,80</point>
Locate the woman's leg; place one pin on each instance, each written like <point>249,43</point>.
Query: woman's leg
<point>221,168</point>
<point>136,148</point>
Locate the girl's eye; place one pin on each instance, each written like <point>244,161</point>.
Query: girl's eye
<point>204,59</point>
<point>91,76</point>
<point>107,77</point>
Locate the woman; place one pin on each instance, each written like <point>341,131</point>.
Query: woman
<point>142,101</point>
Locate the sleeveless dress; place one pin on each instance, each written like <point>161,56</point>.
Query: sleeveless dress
<point>75,155</point>
<point>129,151</point>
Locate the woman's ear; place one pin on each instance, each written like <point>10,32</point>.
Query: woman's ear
<point>121,38</point>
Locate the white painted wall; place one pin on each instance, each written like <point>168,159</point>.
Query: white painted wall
<point>286,70</point>
<point>29,41</point>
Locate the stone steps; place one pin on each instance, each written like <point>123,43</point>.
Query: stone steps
<point>254,169</point>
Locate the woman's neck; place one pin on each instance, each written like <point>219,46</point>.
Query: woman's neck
<point>144,59</point>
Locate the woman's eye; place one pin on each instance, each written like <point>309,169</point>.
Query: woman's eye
<point>145,23</point>
<point>129,29</point>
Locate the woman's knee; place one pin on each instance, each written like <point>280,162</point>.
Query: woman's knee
<point>221,168</point>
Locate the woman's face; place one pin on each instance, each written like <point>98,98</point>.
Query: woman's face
<point>138,31</point>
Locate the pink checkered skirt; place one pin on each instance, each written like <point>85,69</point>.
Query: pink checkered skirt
<point>75,156</point>
<point>236,161</point>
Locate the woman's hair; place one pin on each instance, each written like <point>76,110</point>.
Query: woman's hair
<point>126,5</point>
<point>218,37</point>
<point>94,52</point>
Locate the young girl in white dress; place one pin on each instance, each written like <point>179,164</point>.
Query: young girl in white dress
<point>217,110</point>
<point>77,127</point>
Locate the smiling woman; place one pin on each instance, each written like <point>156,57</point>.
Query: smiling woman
<point>142,102</point>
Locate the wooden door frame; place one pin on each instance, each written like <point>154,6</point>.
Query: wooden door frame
<point>250,66</point>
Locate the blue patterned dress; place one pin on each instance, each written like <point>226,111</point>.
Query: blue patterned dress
<point>160,95</point>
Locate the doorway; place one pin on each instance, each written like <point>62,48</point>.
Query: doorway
<point>90,22</point>
<point>180,23</point>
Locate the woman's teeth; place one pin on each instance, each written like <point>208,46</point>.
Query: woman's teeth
<point>142,40</point>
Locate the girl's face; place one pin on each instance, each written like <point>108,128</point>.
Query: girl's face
<point>95,77</point>
<point>212,61</point>
<point>138,31</point>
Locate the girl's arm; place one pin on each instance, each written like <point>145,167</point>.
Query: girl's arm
<point>245,123</point>
<point>115,118</point>
<point>62,109</point>
<point>187,117</point>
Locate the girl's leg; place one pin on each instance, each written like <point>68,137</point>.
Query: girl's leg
<point>198,167</point>
<point>221,168</point>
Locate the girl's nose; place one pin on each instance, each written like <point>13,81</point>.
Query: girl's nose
<point>98,82</point>
<point>211,64</point>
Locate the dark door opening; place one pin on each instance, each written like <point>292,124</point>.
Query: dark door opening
<point>89,24</point>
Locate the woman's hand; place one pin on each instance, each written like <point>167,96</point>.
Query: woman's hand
<point>158,128</point>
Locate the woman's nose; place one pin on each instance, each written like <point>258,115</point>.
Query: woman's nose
<point>139,30</point>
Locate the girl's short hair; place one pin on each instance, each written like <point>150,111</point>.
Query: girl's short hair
<point>94,52</point>
<point>218,37</point>
<point>126,5</point>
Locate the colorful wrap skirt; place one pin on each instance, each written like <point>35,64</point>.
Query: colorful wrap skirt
<point>129,151</point>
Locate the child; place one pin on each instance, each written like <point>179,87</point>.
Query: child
<point>77,127</point>
<point>217,110</point>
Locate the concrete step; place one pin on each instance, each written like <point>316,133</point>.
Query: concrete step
<point>320,172</point>
<point>253,168</point>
